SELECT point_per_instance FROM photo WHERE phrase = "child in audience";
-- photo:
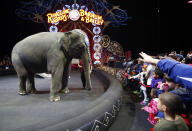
(149, 77)
(141, 77)
(157, 77)
(152, 107)
(163, 86)
(170, 104)
(180, 73)
(169, 85)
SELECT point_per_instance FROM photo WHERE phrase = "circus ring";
(80, 110)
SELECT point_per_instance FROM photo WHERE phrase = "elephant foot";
(54, 98)
(65, 90)
(88, 89)
(32, 91)
(22, 92)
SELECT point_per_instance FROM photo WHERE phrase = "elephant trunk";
(86, 62)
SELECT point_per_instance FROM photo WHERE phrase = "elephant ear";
(86, 39)
(69, 43)
(64, 43)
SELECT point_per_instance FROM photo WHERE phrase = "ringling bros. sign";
(85, 16)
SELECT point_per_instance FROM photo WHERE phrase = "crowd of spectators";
(5, 63)
(164, 82)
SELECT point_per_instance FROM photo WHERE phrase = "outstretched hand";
(148, 59)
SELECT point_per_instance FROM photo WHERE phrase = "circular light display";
(97, 38)
(68, 7)
(97, 47)
(96, 30)
(74, 15)
(53, 28)
(84, 8)
(75, 6)
(97, 55)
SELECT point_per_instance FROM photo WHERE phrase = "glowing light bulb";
(74, 15)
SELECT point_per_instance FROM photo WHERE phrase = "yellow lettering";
(87, 19)
(95, 16)
(90, 19)
(101, 22)
(63, 11)
(88, 14)
(56, 19)
(99, 17)
(82, 19)
(92, 15)
(54, 14)
(49, 18)
(97, 22)
(81, 12)
(59, 13)
(66, 11)
(64, 18)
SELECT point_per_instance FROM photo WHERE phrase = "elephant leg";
(56, 83)
(65, 78)
(21, 73)
(64, 88)
(22, 85)
(83, 80)
(85, 58)
(31, 84)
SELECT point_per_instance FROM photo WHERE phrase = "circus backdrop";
(91, 16)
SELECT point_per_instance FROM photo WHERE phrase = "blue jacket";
(180, 73)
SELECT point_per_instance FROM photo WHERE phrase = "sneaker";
(144, 103)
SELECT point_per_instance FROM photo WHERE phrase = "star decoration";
(38, 18)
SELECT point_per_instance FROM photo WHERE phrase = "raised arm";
(180, 73)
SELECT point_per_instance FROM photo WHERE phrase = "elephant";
(50, 52)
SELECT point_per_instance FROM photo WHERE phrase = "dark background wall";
(148, 30)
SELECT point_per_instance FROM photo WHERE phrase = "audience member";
(180, 73)
(157, 77)
(170, 104)
(142, 81)
(149, 77)
(152, 107)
